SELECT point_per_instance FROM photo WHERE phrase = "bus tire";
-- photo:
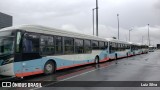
(49, 67)
(96, 60)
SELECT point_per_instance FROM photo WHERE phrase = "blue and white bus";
(151, 48)
(31, 49)
(144, 49)
(135, 48)
(118, 49)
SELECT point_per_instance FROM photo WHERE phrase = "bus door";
(31, 63)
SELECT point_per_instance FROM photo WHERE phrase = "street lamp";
(129, 34)
(148, 36)
(118, 24)
(93, 19)
(97, 17)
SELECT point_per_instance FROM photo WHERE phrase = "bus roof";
(138, 44)
(151, 46)
(52, 31)
(116, 41)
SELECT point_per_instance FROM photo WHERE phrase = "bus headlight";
(7, 61)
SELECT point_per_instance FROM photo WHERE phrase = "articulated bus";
(31, 49)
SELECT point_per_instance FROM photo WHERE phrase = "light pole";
(129, 34)
(97, 17)
(148, 36)
(118, 24)
(93, 19)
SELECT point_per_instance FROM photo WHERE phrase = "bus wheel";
(96, 60)
(49, 68)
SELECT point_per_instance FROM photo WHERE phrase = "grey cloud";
(157, 5)
(76, 15)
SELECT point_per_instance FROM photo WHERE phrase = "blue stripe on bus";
(30, 65)
(33, 65)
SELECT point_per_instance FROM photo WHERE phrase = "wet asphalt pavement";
(145, 67)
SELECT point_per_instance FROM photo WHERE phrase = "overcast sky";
(76, 15)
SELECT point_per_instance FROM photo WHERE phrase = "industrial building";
(5, 20)
(158, 46)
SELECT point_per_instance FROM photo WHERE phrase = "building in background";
(5, 20)
(158, 46)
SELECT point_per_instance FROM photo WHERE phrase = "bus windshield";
(6, 47)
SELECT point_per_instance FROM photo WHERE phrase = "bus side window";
(58, 45)
(68, 45)
(95, 45)
(30, 43)
(47, 45)
(79, 46)
(101, 45)
(106, 45)
(87, 46)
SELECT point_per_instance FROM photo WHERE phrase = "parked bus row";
(30, 49)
